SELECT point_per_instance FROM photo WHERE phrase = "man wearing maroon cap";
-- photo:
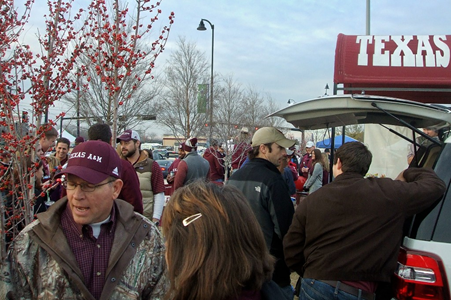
(151, 180)
(79, 140)
(89, 245)
(192, 167)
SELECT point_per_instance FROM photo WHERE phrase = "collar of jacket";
(129, 227)
(348, 175)
(192, 153)
(266, 163)
(142, 160)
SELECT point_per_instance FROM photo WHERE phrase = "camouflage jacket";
(41, 265)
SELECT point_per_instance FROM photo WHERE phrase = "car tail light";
(420, 276)
(163, 168)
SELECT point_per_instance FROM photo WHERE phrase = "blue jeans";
(312, 289)
(288, 291)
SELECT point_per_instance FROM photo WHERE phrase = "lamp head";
(201, 26)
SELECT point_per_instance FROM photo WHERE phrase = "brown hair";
(49, 131)
(354, 157)
(318, 158)
(255, 151)
(219, 254)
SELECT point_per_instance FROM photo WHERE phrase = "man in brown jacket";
(345, 237)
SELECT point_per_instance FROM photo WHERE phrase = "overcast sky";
(286, 48)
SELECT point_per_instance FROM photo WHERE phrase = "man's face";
(277, 154)
(61, 150)
(430, 132)
(181, 153)
(309, 149)
(128, 149)
(47, 143)
(92, 207)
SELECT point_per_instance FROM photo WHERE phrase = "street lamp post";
(201, 27)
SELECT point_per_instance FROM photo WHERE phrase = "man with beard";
(151, 180)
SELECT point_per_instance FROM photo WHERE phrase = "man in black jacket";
(345, 237)
(268, 196)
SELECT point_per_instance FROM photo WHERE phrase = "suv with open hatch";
(424, 261)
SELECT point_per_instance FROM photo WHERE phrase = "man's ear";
(117, 185)
(263, 149)
(339, 164)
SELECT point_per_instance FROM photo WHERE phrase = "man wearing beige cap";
(88, 245)
(268, 196)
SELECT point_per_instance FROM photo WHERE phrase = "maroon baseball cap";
(190, 144)
(79, 139)
(93, 161)
(128, 135)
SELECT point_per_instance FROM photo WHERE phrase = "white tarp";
(68, 136)
(389, 151)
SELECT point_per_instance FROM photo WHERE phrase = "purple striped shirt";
(92, 254)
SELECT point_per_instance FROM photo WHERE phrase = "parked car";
(164, 165)
(172, 155)
(161, 152)
(424, 261)
(158, 156)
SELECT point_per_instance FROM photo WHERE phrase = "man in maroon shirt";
(151, 180)
(214, 158)
(306, 162)
(241, 149)
(173, 168)
(130, 191)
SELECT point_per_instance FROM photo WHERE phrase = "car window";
(441, 233)
(434, 223)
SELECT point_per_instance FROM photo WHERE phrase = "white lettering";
(402, 46)
(95, 157)
(424, 45)
(77, 155)
(381, 59)
(442, 60)
(362, 59)
(403, 55)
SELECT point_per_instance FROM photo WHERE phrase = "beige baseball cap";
(266, 135)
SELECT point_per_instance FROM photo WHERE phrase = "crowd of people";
(226, 238)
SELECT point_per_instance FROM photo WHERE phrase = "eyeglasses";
(85, 187)
(191, 219)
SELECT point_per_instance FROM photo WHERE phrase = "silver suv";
(424, 261)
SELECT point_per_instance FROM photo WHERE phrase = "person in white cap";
(241, 149)
(268, 195)
(151, 180)
(306, 161)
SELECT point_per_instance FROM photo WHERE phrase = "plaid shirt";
(92, 254)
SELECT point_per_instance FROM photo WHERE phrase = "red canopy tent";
(409, 67)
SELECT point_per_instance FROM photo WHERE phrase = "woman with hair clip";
(215, 247)
(315, 176)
